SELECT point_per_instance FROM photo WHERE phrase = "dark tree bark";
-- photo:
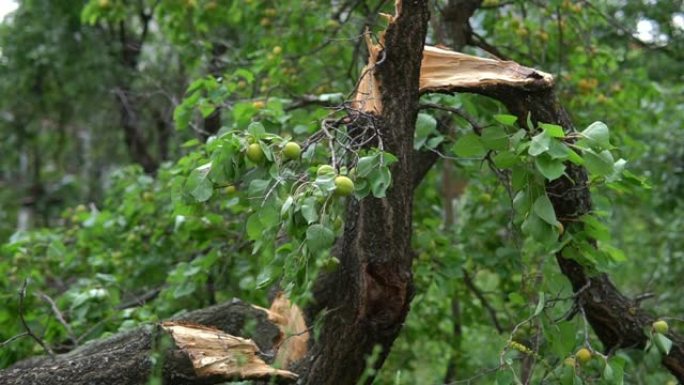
(212, 123)
(367, 299)
(129, 47)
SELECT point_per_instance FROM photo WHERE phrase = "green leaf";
(469, 146)
(507, 120)
(286, 205)
(365, 165)
(519, 176)
(537, 228)
(617, 365)
(598, 135)
(199, 186)
(186, 288)
(257, 188)
(540, 144)
(615, 254)
(319, 237)
(663, 343)
(256, 128)
(618, 169)
(245, 74)
(254, 227)
(309, 211)
(505, 159)
(425, 126)
(553, 130)
(558, 150)
(495, 138)
(608, 373)
(544, 209)
(206, 108)
(504, 377)
(574, 157)
(595, 229)
(600, 164)
(540, 304)
(561, 337)
(522, 202)
(380, 181)
(435, 141)
(268, 215)
(552, 169)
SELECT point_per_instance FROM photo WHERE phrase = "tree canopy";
(443, 192)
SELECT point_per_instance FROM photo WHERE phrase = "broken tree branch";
(200, 354)
(617, 320)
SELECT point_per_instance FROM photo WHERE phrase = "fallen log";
(182, 351)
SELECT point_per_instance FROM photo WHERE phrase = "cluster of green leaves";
(536, 156)
(516, 260)
(294, 214)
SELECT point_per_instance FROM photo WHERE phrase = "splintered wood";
(367, 97)
(294, 335)
(214, 353)
(292, 345)
(445, 70)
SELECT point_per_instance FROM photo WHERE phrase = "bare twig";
(12, 339)
(59, 316)
(457, 111)
(492, 312)
(22, 296)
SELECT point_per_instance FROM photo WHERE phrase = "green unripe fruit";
(230, 189)
(325, 169)
(344, 186)
(255, 153)
(569, 362)
(292, 150)
(661, 327)
(583, 355)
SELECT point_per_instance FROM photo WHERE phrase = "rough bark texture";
(367, 299)
(125, 359)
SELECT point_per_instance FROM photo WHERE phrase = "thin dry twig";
(22, 296)
(12, 339)
(59, 316)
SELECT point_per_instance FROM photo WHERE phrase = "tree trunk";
(366, 301)
(368, 298)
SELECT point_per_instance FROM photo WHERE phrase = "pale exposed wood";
(292, 344)
(367, 97)
(214, 353)
(446, 70)
(295, 335)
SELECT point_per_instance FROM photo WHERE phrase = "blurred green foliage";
(108, 245)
